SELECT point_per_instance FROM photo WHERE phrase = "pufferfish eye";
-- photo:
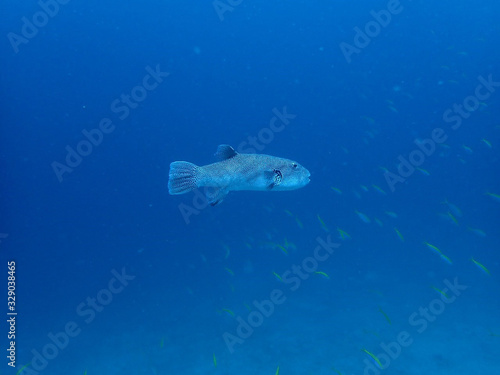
(294, 165)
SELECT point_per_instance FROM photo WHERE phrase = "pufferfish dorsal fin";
(225, 152)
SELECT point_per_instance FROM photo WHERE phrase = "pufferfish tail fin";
(182, 177)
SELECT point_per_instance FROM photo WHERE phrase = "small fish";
(440, 291)
(299, 223)
(495, 197)
(425, 172)
(399, 234)
(230, 312)
(379, 189)
(229, 271)
(343, 234)
(277, 371)
(228, 250)
(282, 248)
(215, 360)
(288, 213)
(278, 276)
(434, 248)
(324, 274)
(337, 190)
(477, 232)
(481, 267)
(486, 142)
(323, 225)
(391, 214)
(363, 217)
(374, 357)
(467, 149)
(236, 171)
(455, 221)
(26, 365)
(453, 209)
(379, 223)
(384, 314)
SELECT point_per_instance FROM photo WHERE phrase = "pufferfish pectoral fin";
(215, 195)
(275, 177)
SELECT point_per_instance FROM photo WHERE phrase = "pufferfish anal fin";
(225, 152)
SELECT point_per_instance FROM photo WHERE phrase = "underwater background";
(387, 262)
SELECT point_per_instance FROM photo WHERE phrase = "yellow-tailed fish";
(494, 196)
(299, 223)
(229, 271)
(323, 225)
(399, 234)
(282, 248)
(486, 142)
(391, 214)
(434, 248)
(277, 371)
(26, 365)
(364, 188)
(278, 276)
(453, 208)
(363, 217)
(288, 213)
(215, 360)
(343, 234)
(374, 357)
(477, 232)
(467, 149)
(440, 291)
(227, 251)
(385, 315)
(337, 371)
(425, 172)
(446, 259)
(248, 307)
(322, 274)
(481, 267)
(455, 221)
(230, 312)
(379, 189)
(371, 333)
(337, 190)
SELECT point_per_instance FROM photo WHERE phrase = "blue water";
(114, 275)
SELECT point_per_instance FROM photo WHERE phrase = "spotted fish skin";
(236, 171)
